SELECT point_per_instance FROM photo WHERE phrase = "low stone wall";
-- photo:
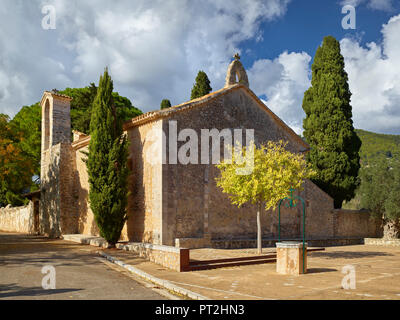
(356, 223)
(170, 257)
(17, 219)
(382, 242)
(194, 243)
(251, 243)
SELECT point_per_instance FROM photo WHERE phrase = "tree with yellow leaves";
(274, 171)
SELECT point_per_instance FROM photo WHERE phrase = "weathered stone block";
(289, 258)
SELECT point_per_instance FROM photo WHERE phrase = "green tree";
(328, 126)
(201, 87)
(274, 171)
(16, 169)
(26, 124)
(380, 193)
(22, 134)
(165, 103)
(81, 106)
(107, 164)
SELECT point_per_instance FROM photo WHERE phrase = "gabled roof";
(197, 103)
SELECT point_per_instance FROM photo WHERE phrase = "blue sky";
(306, 22)
(154, 50)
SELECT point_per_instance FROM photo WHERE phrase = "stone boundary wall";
(382, 242)
(356, 223)
(251, 243)
(342, 227)
(194, 243)
(170, 257)
(17, 219)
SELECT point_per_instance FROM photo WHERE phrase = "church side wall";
(86, 223)
(68, 204)
(194, 207)
(145, 184)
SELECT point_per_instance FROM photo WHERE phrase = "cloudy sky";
(154, 50)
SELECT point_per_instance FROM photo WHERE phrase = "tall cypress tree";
(107, 164)
(201, 87)
(328, 126)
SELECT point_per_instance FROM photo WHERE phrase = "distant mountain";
(376, 145)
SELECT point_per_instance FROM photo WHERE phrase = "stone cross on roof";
(236, 56)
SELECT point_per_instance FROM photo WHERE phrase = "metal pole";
(304, 230)
(279, 221)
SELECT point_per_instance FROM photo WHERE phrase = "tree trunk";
(391, 229)
(259, 241)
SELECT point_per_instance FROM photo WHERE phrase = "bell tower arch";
(236, 73)
(56, 166)
(56, 120)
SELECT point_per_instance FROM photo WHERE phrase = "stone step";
(196, 265)
(227, 264)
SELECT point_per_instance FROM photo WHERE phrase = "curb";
(84, 239)
(163, 283)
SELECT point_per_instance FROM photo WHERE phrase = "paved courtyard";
(377, 271)
(80, 272)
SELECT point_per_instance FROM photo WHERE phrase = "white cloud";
(374, 80)
(283, 81)
(382, 5)
(153, 49)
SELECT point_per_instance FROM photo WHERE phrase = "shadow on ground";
(348, 254)
(13, 290)
(320, 270)
(17, 250)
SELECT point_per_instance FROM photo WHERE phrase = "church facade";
(179, 204)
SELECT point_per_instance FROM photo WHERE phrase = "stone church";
(180, 204)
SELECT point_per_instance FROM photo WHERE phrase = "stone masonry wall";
(17, 219)
(84, 215)
(86, 223)
(145, 184)
(195, 208)
(58, 213)
(353, 223)
(50, 192)
(193, 203)
(57, 206)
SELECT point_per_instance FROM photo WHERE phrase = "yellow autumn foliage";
(275, 170)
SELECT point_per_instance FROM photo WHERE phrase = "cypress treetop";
(201, 87)
(165, 103)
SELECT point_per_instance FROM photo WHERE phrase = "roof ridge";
(159, 114)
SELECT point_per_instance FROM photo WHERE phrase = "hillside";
(375, 145)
